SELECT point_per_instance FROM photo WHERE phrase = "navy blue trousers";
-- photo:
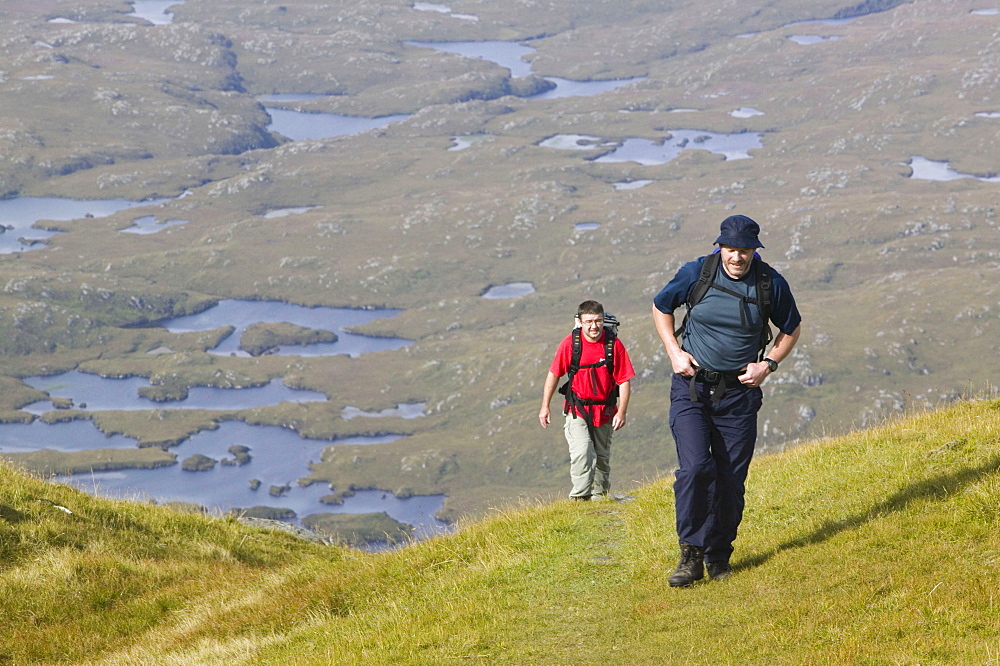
(715, 443)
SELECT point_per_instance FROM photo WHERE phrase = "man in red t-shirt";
(589, 426)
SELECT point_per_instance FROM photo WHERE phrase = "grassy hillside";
(879, 547)
(880, 263)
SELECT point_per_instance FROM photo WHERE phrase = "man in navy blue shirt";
(715, 391)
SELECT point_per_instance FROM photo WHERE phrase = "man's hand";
(544, 416)
(683, 363)
(755, 374)
(548, 390)
(618, 421)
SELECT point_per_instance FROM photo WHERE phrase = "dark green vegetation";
(47, 461)
(261, 338)
(895, 277)
(879, 547)
(353, 530)
(198, 463)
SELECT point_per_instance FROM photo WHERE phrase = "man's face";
(591, 325)
(736, 260)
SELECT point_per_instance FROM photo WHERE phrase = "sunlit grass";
(876, 548)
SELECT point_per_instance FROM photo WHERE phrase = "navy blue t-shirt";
(717, 334)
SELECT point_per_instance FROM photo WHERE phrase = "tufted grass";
(879, 547)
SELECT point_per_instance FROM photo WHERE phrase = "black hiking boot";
(690, 568)
(719, 570)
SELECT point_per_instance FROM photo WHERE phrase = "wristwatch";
(773, 365)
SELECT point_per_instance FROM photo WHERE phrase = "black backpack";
(706, 281)
(572, 399)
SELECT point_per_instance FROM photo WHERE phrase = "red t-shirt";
(594, 383)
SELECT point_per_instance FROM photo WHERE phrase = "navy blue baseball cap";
(739, 231)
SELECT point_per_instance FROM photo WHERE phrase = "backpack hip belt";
(716, 381)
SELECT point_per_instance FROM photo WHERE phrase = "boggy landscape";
(479, 185)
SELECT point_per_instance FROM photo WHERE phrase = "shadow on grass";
(937, 488)
(11, 515)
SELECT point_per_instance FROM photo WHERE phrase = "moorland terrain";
(894, 275)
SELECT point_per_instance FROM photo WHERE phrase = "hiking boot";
(719, 570)
(690, 568)
(581, 498)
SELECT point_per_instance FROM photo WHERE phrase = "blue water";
(18, 215)
(809, 40)
(79, 435)
(242, 313)
(285, 212)
(925, 169)
(511, 55)
(95, 393)
(279, 457)
(443, 9)
(647, 152)
(574, 142)
(511, 290)
(631, 184)
(298, 125)
(155, 11)
(506, 54)
(734, 146)
(568, 88)
(301, 125)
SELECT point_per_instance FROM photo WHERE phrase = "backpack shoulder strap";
(764, 298)
(609, 350)
(574, 363)
(698, 290)
(705, 278)
(764, 289)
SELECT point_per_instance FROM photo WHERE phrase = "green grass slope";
(879, 547)
(894, 275)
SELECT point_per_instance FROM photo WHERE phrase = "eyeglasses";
(592, 322)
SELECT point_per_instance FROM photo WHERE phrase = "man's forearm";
(783, 345)
(549, 389)
(624, 393)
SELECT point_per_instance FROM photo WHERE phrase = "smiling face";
(736, 260)
(591, 326)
